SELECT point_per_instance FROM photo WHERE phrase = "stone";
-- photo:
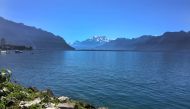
(63, 98)
(29, 103)
(65, 106)
(49, 105)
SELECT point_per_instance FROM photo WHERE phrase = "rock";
(65, 106)
(49, 106)
(63, 98)
(29, 103)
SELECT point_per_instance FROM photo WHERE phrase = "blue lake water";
(118, 80)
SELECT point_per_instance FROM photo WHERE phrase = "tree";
(3, 43)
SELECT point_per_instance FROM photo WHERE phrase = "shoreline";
(15, 96)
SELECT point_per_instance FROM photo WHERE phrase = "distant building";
(5, 46)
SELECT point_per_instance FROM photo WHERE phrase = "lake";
(114, 79)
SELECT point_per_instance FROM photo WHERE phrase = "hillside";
(20, 34)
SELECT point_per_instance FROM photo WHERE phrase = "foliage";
(2, 105)
(5, 75)
(17, 95)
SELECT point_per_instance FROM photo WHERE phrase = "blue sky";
(81, 19)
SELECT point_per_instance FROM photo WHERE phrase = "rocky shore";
(15, 96)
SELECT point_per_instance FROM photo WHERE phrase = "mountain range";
(169, 41)
(90, 43)
(20, 34)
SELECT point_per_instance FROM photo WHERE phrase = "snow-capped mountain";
(100, 39)
(91, 43)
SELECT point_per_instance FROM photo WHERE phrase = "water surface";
(118, 80)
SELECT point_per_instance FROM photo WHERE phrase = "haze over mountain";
(169, 41)
(20, 34)
(91, 43)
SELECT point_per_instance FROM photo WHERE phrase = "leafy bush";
(17, 95)
(5, 75)
(2, 105)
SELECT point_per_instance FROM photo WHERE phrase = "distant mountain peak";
(99, 39)
(91, 43)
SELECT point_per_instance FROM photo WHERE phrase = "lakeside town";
(5, 47)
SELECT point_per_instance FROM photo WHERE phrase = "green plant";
(5, 75)
(46, 99)
(17, 95)
(2, 105)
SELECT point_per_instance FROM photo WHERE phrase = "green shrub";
(32, 96)
(2, 105)
(5, 75)
(17, 95)
(9, 86)
(46, 99)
